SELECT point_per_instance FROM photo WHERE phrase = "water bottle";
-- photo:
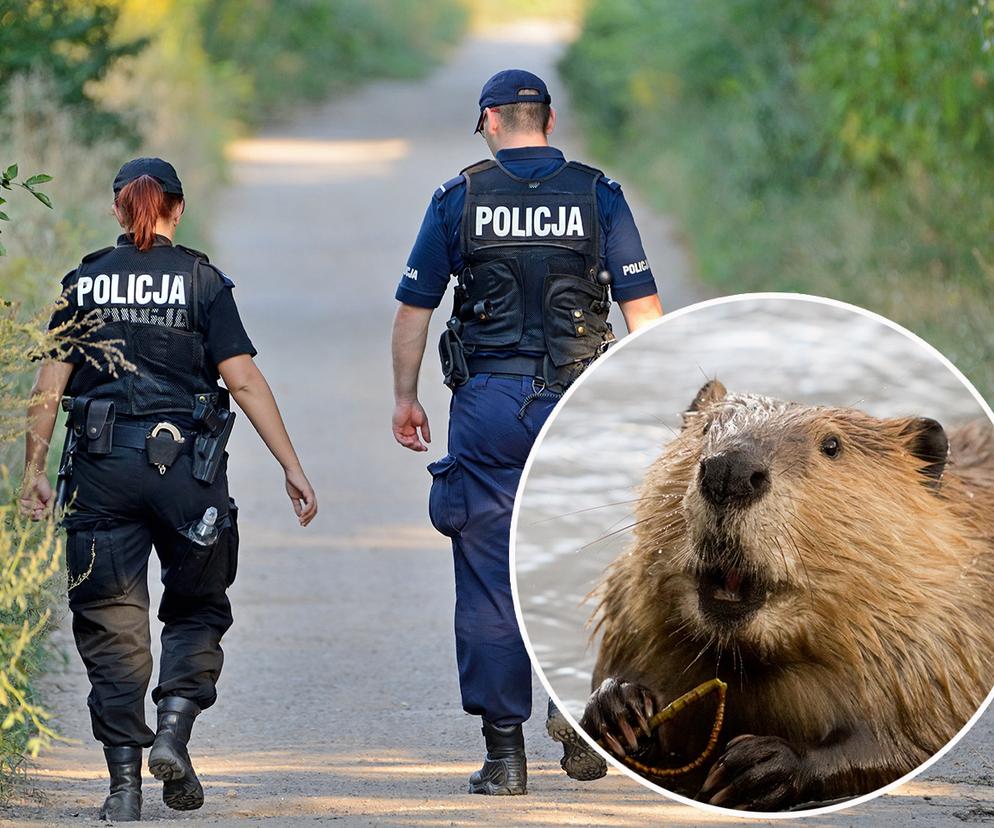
(204, 533)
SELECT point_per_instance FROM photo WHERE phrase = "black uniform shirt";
(224, 334)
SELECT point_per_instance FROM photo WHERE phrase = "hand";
(305, 503)
(408, 417)
(36, 496)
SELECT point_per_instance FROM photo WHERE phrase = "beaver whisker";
(612, 534)
(602, 506)
(711, 639)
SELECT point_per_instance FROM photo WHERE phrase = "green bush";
(295, 50)
(840, 148)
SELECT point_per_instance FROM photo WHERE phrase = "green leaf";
(3, 250)
(37, 179)
(4, 216)
(10, 172)
(44, 199)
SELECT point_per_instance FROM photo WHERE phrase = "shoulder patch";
(199, 254)
(446, 186)
(89, 257)
(610, 182)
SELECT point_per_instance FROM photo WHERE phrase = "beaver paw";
(756, 773)
(617, 715)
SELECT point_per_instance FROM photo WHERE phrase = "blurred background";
(839, 147)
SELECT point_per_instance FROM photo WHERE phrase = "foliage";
(840, 147)
(8, 180)
(30, 554)
(71, 40)
(288, 50)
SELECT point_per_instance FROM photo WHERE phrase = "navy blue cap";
(506, 87)
(161, 171)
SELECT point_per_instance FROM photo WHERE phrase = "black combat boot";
(169, 760)
(125, 801)
(579, 760)
(504, 771)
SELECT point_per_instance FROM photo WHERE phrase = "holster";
(66, 461)
(208, 448)
(94, 420)
(452, 353)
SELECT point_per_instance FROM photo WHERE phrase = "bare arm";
(638, 312)
(248, 386)
(410, 332)
(50, 383)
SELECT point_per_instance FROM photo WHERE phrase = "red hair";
(142, 203)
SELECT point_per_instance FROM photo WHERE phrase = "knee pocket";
(94, 570)
(205, 570)
(447, 499)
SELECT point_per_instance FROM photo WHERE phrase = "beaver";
(833, 568)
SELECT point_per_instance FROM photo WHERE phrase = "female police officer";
(146, 450)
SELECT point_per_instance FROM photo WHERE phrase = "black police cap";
(161, 171)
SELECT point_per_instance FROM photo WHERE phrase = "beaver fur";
(835, 569)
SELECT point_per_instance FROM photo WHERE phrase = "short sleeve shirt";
(436, 254)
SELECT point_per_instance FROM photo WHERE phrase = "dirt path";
(339, 699)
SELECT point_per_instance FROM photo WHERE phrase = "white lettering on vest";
(529, 221)
(483, 217)
(136, 289)
(143, 286)
(542, 227)
(101, 289)
(177, 294)
(83, 286)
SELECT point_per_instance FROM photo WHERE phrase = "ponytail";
(142, 203)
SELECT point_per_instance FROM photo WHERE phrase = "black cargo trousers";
(120, 507)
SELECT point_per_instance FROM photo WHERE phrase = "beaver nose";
(734, 478)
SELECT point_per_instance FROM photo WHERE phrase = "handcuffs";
(163, 445)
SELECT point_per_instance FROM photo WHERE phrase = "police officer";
(145, 465)
(535, 243)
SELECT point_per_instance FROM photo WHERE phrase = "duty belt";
(133, 436)
(527, 366)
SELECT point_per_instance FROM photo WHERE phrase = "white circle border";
(714, 809)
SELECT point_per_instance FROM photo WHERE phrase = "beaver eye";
(831, 447)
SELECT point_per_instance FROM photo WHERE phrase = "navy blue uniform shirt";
(436, 254)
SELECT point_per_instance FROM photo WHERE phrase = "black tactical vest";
(150, 302)
(532, 255)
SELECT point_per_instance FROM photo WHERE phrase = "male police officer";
(534, 241)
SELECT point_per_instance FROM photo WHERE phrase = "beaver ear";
(928, 442)
(710, 392)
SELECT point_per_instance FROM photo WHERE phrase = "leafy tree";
(73, 41)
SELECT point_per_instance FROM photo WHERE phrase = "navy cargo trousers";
(493, 422)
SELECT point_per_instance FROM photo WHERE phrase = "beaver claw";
(617, 715)
(756, 773)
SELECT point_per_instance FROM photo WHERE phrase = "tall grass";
(839, 148)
